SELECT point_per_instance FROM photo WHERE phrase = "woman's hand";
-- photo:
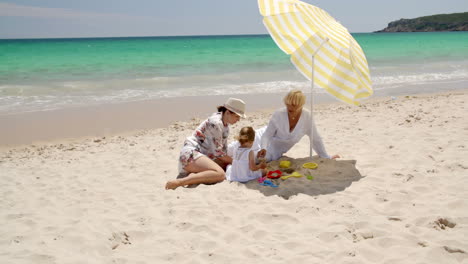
(336, 156)
(226, 159)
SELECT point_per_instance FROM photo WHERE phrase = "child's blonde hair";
(295, 97)
(246, 134)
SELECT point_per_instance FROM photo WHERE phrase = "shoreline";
(44, 127)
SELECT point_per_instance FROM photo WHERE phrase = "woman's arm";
(269, 132)
(214, 130)
(225, 159)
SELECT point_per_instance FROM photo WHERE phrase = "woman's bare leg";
(202, 170)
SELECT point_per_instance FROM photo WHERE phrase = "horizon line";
(160, 36)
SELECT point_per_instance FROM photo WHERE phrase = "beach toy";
(261, 179)
(310, 177)
(310, 165)
(285, 164)
(274, 174)
(269, 183)
(294, 174)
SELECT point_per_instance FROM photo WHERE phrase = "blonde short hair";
(295, 97)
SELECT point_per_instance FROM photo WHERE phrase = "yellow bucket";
(285, 164)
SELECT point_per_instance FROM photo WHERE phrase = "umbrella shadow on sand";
(329, 177)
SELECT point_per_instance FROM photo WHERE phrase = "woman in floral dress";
(207, 147)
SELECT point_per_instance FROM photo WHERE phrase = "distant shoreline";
(435, 23)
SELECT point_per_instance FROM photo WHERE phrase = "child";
(244, 167)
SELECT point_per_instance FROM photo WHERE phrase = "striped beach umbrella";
(320, 48)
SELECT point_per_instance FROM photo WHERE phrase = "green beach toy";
(294, 174)
(310, 177)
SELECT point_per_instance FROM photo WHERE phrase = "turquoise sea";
(43, 74)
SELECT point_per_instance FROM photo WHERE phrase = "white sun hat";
(236, 106)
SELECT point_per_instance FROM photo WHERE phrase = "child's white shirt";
(239, 170)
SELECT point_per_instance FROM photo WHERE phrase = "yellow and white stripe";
(299, 28)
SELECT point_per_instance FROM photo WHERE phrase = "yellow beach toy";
(310, 165)
(294, 174)
(285, 164)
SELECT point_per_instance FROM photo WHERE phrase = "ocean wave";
(421, 78)
(26, 98)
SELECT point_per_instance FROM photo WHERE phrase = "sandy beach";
(399, 194)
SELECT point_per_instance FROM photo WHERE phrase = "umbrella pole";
(311, 107)
(312, 97)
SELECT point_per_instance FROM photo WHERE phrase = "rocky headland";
(442, 22)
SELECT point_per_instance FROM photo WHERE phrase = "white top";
(240, 169)
(277, 139)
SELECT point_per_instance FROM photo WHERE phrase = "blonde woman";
(206, 148)
(287, 126)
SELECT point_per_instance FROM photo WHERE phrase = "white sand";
(102, 200)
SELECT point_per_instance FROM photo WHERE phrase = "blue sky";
(115, 18)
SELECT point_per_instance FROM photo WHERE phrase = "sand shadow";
(331, 176)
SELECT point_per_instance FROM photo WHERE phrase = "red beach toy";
(274, 174)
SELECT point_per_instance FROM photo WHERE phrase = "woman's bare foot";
(172, 185)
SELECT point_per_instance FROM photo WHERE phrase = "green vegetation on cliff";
(443, 22)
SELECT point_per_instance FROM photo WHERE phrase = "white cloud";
(13, 10)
